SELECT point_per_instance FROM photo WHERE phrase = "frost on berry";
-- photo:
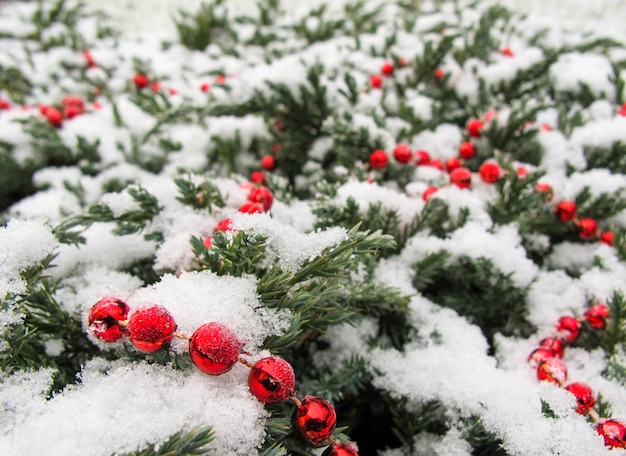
(584, 397)
(214, 348)
(151, 328)
(271, 380)
(614, 433)
(105, 317)
(552, 370)
(597, 315)
(340, 449)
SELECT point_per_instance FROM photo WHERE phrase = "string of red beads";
(547, 360)
(214, 349)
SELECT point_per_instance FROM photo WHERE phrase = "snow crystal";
(23, 244)
(573, 69)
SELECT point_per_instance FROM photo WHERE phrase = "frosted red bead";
(151, 328)
(422, 157)
(315, 420)
(376, 81)
(226, 224)
(387, 69)
(490, 172)
(584, 397)
(467, 150)
(429, 192)
(461, 177)
(568, 328)
(587, 229)
(263, 195)
(538, 355)
(614, 433)
(340, 449)
(554, 344)
(474, 128)
(596, 316)
(402, 153)
(105, 317)
(214, 348)
(378, 159)
(140, 80)
(250, 207)
(268, 163)
(552, 370)
(608, 238)
(565, 211)
(452, 164)
(271, 380)
(54, 117)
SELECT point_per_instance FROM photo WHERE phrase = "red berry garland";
(340, 449)
(314, 420)
(402, 153)
(587, 228)
(422, 157)
(565, 211)
(214, 348)
(461, 177)
(467, 150)
(271, 380)
(105, 319)
(597, 315)
(378, 159)
(387, 69)
(490, 172)
(151, 328)
(474, 127)
(584, 397)
(614, 433)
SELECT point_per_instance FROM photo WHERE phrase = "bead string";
(214, 350)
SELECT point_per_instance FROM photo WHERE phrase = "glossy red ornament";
(568, 328)
(436, 163)
(268, 163)
(565, 211)
(608, 238)
(402, 153)
(205, 87)
(214, 348)
(226, 224)
(554, 344)
(429, 192)
(490, 172)
(614, 433)
(584, 397)
(422, 157)
(387, 69)
(257, 177)
(474, 127)
(105, 317)
(140, 80)
(150, 328)
(340, 449)
(54, 117)
(467, 150)
(461, 177)
(315, 420)
(378, 159)
(597, 315)
(552, 370)
(539, 355)
(272, 380)
(587, 229)
(376, 82)
(452, 164)
(250, 207)
(262, 195)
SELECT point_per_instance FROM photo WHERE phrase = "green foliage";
(475, 288)
(202, 196)
(483, 443)
(410, 419)
(184, 443)
(612, 158)
(15, 83)
(324, 27)
(242, 254)
(208, 25)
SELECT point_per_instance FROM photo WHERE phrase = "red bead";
(565, 211)
(315, 419)
(522, 172)
(54, 117)
(151, 328)
(584, 397)
(105, 317)
(207, 242)
(461, 177)
(474, 127)
(140, 80)
(262, 195)
(340, 449)
(378, 159)
(4, 105)
(506, 51)
(436, 163)
(597, 315)
(467, 150)
(376, 81)
(155, 87)
(268, 163)
(258, 177)
(214, 348)
(226, 224)
(552, 370)
(205, 87)
(568, 328)
(250, 207)
(554, 344)
(423, 157)
(91, 63)
(220, 79)
(452, 164)
(490, 172)
(546, 189)
(439, 73)
(587, 229)
(539, 355)
(614, 433)
(276, 147)
(72, 106)
(429, 192)
(387, 69)
(272, 380)
(402, 153)
(608, 238)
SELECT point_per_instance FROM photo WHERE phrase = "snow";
(124, 405)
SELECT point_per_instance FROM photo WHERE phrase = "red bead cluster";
(71, 106)
(547, 359)
(215, 349)
(566, 211)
